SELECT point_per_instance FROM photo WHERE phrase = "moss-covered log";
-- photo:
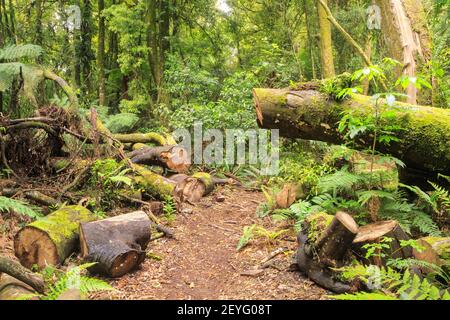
(309, 114)
(50, 240)
(171, 157)
(117, 244)
(150, 137)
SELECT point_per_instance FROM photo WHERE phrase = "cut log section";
(117, 244)
(424, 145)
(175, 158)
(50, 240)
(336, 240)
(193, 188)
(373, 233)
(316, 257)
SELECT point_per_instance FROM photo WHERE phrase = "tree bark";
(13, 289)
(18, 272)
(308, 114)
(335, 241)
(171, 157)
(50, 240)
(326, 45)
(101, 54)
(407, 38)
(117, 244)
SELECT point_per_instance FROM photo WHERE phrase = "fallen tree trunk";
(171, 157)
(117, 244)
(18, 272)
(150, 137)
(308, 114)
(50, 240)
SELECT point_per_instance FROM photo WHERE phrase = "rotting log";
(171, 157)
(33, 195)
(324, 243)
(117, 244)
(315, 271)
(152, 183)
(193, 188)
(17, 271)
(336, 240)
(424, 143)
(374, 233)
(50, 240)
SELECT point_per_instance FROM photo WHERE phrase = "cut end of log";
(375, 231)
(347, 221)
(124, 263)
(34, 247)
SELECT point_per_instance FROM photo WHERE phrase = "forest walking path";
(202, 262)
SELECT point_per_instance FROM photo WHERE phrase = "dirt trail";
(202, 262)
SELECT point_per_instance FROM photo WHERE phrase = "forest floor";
(202, 262)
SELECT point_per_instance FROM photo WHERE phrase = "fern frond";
(16, 52)
(338, 181)
(88, 285)
(20, 207)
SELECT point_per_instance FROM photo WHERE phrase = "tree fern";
(20, 207)
(17, 52)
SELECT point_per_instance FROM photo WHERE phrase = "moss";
(153, 183)
(317, 223)
(62, 226)
(142, 138)
(207, 180)
(441, 245)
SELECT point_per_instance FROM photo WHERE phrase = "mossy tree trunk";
(326, 45)
(424, 141)
(50, 240)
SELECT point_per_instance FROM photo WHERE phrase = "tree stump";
(50, 240)
(117, 244)
(373, 233)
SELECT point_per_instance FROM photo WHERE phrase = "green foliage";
(121, 122)
(390, 282)
(20, 207)
(247, 235)
(17, 52)
(73, 279)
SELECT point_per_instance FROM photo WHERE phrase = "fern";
(339, 181)
(72, 279)
(16, 52)
(20, 207)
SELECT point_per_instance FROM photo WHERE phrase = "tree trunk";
(406, 35)
(308, 114)
(335, 241)
(172, 157)
(101, 54)
(373, 233)
(50, 240)
(326, 45)
(117, 244)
